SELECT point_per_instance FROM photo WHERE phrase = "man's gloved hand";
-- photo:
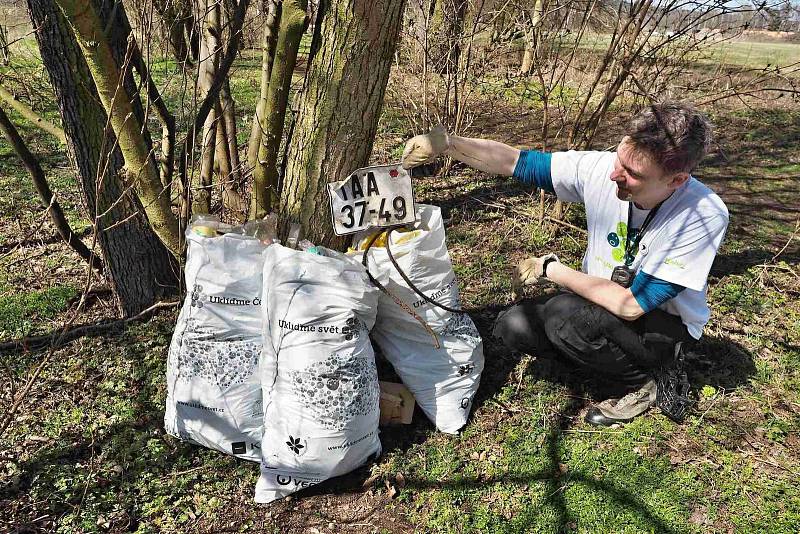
(528, 272)
(425, 148)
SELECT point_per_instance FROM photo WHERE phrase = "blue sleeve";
(650, 292)
(533, 168)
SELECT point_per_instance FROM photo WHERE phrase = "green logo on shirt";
(674, 262)
(617, 242)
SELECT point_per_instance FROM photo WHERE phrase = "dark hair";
(674, 134)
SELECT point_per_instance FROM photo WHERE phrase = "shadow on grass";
(719, 362)
(78, 467)
(715, 361)
(555, 480)
(740, 262)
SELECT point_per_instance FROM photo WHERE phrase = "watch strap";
(550, 258)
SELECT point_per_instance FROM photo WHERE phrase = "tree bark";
(265, 175)
(207, 105)
(140, 267)
(231, 200)
(267, 57)
(228, 105)
(5, 53)
(108, 80)
(43, 188)
(166, 162)
(209, 17)
(228, 111)
(339, 107)
(418, 15)
(531, 37)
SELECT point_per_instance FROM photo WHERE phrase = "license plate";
(372, 197)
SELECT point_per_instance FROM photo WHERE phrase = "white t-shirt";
(678, 246)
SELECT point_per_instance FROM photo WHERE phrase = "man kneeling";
(653, 233)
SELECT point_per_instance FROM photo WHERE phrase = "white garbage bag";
(318, 372)
(213, 387)
(444, 379)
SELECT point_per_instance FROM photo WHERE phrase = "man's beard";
(624, 194)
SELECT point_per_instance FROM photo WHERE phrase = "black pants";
(566, 326)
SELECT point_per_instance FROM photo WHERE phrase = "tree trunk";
(531, 37)
(267, 56)
(209, 17)
(228, 107)
(231, 200)
(446, 29)
(141, 269)
(418, 15)
(202, 181)
(229, 120)
(43, 188)
(265, 175)
(5, 53)
(174, 17)
(207, 105)
(108, 79)
(339, 108)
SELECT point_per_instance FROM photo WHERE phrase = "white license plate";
(372, 197)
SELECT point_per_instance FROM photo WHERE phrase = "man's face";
(641, 180)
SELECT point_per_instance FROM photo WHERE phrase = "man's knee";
(573, 314)
(594, 338)
(518, 329)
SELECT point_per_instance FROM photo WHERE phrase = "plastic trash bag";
(443, 379)
(319, 380)
(213, 388)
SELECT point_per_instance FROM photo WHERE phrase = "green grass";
(731, 52)
(23, 312)
(754, 54)
(527, 475)
(109, 462)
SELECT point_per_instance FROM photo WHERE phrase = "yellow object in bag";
(399, 236)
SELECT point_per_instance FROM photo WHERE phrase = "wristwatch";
(550, 258)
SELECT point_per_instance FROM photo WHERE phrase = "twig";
(566, 224)
(531, 215)
(577, 431)
(55, 340)
(32, 256)
(505, 406)
(791, 237)
(773, 464)
(49, 240)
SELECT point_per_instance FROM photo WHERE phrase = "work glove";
(424, 148)
(528, 272)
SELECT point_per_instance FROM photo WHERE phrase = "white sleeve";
(684, 251)
(571, 171)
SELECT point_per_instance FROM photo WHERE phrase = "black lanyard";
(628, 260)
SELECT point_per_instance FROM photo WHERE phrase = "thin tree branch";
(60, 338)
(26, 111)
(46, 195)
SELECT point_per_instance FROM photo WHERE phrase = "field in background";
(733, 52)
(755, 54)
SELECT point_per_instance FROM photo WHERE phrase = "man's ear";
(678, 179)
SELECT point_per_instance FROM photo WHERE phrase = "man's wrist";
(451, 149)
(550, 258)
